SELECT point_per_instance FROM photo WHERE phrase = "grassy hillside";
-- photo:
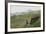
(19, 21)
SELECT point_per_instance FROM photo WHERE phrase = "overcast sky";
(18, 9)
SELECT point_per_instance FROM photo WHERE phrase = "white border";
(24, 29)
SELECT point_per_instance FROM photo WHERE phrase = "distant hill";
(28, 12)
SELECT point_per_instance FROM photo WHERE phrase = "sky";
(19, 9)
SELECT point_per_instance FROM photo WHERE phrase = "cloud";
(19, 9)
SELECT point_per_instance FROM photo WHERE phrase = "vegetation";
(19, 21)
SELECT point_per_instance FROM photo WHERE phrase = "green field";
(19, 21)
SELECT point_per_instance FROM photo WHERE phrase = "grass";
(19, 21)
